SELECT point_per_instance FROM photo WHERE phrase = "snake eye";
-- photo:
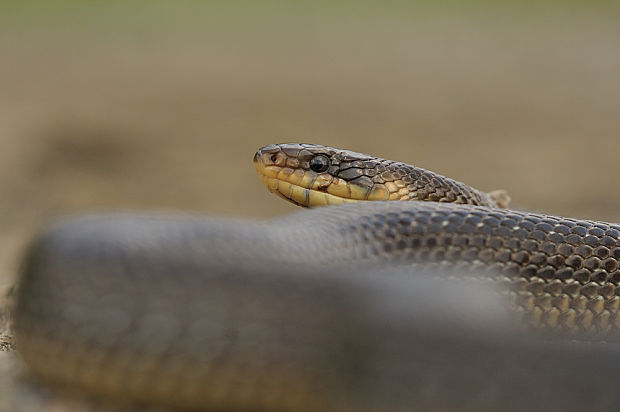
(319, 163)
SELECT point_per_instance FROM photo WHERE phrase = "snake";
(396, 288)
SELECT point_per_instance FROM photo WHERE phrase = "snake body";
(368, 306)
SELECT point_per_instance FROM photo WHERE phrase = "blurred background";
(161, 105)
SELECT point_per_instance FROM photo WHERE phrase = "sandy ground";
(162, 107)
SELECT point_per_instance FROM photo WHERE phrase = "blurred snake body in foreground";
(445, 301)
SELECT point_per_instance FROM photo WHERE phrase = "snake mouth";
(302, 196)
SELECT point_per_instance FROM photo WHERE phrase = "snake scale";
(424, 293)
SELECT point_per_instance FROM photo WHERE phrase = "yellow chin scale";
(301, 195)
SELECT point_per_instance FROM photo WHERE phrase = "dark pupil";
(319, 163)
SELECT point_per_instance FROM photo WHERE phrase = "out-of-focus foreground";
(161, 105)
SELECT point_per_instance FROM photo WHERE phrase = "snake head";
(313, 175)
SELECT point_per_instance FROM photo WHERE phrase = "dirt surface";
(161, 106)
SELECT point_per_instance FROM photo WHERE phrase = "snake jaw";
(302, 196)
